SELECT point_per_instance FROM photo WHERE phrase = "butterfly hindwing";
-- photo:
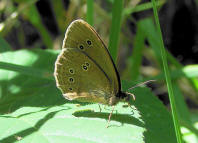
(80, 78)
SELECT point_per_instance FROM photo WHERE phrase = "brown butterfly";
(85, 71)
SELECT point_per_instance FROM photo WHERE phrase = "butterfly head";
(121, 96)
(126, 96)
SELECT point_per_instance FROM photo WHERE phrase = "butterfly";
(85, 71)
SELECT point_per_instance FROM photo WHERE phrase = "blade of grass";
(136, 57)
(4, 45)
(187, 71)
(59, 12)
(153, 39)
(141, 7)
(34, 17)
(115, 28)
(89, 18)
(168, 79)
(181, 104)
(7, 25)
(184, 114)
(101, 12)
(26, 70)
(193, 80)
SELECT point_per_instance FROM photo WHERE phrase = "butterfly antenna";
(137, 85)
(132, 95)
(110, 116)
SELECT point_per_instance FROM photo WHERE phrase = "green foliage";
(32, 109)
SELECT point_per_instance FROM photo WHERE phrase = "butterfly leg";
(105, 107)
(99, 107)
(110, 116)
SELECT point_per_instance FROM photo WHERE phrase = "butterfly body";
(84, 70)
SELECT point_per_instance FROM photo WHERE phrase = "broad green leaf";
(33, 110)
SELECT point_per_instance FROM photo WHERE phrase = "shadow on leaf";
(22, 134)
(122, 118)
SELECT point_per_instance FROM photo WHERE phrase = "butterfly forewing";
(82, 36)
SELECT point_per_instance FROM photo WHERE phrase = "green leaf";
(33, 110)
(167, 75)
(16, 87)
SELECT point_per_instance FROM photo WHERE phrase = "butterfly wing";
(79, 78)
(81, 40)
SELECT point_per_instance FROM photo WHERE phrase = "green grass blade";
(90, 12)
(115, 28)
(193, 74)
(4, 45)
(187, 71)
(33, 72)
(168, 79)
(12, 20)
(59, 13)
(184, 113)
(141, 7)
(34, 17)
(136, 57)
(153, 39)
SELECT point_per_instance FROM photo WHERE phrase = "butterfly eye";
(84, 67)
(88, 42)
(87, 64)
(70, 89)
(71, 79)
(81, 47)
(71, 71)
